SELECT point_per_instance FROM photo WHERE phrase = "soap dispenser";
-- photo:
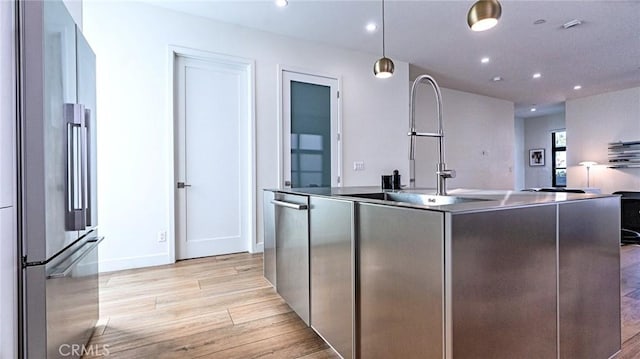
(396, 180)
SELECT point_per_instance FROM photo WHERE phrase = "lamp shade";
(383, 68)
(484, 14)
(588, 163)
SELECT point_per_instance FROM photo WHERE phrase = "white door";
(213, 142)
(310, 130)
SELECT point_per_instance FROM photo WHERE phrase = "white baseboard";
(110, 265)
(258, 248)
(116, 264)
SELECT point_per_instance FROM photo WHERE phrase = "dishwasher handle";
(289, 204)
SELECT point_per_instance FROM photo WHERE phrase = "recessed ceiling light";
(533, 109)
(577, 87)
(572, 23)
(539, 22)
(484, 60)
(371, 27)
(537, 75)
(282, 3)
(496, 79)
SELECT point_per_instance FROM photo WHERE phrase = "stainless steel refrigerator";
(57, 191)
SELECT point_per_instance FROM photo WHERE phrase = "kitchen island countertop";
(486, 199)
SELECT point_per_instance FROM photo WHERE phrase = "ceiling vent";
(572, 23)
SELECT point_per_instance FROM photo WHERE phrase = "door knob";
(182, 185)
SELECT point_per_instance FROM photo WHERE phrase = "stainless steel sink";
(416, 198)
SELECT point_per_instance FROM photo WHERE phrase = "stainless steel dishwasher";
(292, 251)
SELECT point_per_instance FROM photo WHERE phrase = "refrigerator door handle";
(89, 244)
(87, 169)
(76, 160)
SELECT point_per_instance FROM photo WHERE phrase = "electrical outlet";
(358, 165)
(162, 236)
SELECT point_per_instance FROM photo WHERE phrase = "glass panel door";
(310, 131)
(310, 135)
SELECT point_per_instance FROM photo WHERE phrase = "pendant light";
(484, 14)
(383, 68)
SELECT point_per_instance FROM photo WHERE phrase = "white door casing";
(213, 109)
(286, 76)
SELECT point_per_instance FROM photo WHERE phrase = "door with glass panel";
(311, 136)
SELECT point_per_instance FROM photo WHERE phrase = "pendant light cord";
(383, 55)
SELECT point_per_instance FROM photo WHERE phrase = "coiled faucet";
(442, 173)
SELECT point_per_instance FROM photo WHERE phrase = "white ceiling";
(601, 55)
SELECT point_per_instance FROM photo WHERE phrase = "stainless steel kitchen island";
(476, 274)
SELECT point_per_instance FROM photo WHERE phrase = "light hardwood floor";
(222, 307)
(217, 307)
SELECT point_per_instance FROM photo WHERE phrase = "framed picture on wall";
(536, 157)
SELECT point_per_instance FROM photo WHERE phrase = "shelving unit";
(624, 154)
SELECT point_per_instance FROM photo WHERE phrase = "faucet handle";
(447, 173)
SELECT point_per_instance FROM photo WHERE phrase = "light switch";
(358, 165)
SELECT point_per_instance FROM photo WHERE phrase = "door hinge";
(338, 179)
(339, 137)
(338, 94)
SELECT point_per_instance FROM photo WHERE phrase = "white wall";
(593, 122)
(8, 241)
(537, 134)
(7, 98)
(131, 43)
(479, 139)
(75, 9)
